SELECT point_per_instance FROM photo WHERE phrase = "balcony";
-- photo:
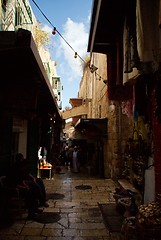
(16, 15)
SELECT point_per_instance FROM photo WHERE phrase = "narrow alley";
(74, 200)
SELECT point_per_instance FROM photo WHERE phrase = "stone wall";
(94, 92)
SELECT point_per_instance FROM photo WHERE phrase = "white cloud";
(47, 29)
(89, 17)
(76, 38)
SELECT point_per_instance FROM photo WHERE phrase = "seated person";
(31, 188)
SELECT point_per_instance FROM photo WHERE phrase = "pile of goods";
(149, 214)
(123, 193)
(125, 201)
(128, 226)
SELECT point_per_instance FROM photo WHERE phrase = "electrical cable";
(55, 30)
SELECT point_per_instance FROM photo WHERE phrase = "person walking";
(75, 161)
(66, 160)
(70, 156)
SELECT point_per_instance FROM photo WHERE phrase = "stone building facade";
(93, 93)
(129, 35)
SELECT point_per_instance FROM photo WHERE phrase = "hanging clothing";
(160, 13)
(127, 108)
(131, 58)
(158, 97)
(148, 31)
(141, 100)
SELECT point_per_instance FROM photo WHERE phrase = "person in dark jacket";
(30, 188)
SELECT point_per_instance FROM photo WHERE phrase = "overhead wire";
(55, 29)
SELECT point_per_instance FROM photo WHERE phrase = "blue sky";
(72, 19)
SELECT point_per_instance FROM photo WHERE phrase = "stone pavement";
(80, 216)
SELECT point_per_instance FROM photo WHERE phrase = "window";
(4, 3)
(55, 82)
(18, 18)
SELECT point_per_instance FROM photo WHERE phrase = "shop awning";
(24, 82)
(106, 22)
(92, 127)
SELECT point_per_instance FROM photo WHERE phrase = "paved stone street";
(80, 216)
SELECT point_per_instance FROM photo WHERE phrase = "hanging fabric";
(131, 58)
(147, 15)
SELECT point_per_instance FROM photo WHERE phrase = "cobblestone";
(80, 216)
